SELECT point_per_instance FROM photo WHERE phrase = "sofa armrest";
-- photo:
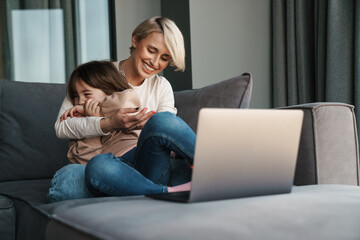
(328, 151)
(7, 219)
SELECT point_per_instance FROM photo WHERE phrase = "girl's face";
(85, 92)
(150, 55)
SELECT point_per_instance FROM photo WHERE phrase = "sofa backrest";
(231, 93)
(29, 148)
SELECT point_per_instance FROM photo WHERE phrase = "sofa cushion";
(309, 212)
(33, 212)
(29, 148)
(232, 93)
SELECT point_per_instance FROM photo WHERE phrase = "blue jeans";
(146, 169)
(69, 183)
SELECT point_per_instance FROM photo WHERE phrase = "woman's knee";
(101, 168)
(162, 117)
(99, 164)
(166, 122)
(106, 174)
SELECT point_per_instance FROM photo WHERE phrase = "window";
(93, 34)
(38, 45)
(44, 41)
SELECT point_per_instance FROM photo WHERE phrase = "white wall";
(230, 37)
(129, 13)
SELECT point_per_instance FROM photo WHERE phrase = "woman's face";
(150, 55)
(85, 92)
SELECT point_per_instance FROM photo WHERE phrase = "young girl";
(98, 90)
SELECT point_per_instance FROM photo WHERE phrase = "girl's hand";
(92, 108)
(76, 111)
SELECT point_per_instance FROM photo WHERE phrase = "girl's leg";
(69, 183)
(107, 174)
(164, 132)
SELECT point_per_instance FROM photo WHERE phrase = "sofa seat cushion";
(32, 191)
(309, 212)
(33, 212)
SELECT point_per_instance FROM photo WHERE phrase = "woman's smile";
(147, 67)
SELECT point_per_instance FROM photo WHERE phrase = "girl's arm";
(76, 128)
(75, 111)
(90, 109)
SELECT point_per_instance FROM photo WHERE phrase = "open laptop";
(242, 153)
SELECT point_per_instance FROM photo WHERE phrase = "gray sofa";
(327, 206)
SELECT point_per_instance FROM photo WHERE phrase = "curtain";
(316, 47)
(6, 44)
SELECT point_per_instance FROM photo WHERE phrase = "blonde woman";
(156, 43)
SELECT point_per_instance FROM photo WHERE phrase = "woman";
(156, 43)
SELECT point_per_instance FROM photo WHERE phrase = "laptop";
(242, 153)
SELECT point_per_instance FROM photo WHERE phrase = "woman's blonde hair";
(173, 38)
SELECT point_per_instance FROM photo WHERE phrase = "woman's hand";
(141, 120)
(126, 120)
(76, 111)
(92, 108)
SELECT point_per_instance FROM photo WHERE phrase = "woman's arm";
(166, 98)
(88, 127)
(122, 120)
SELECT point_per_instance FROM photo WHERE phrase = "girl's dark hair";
(97, 74)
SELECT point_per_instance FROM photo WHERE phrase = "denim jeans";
(69, 183)
(148, 168)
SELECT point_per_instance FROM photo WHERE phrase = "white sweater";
(155, 93)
